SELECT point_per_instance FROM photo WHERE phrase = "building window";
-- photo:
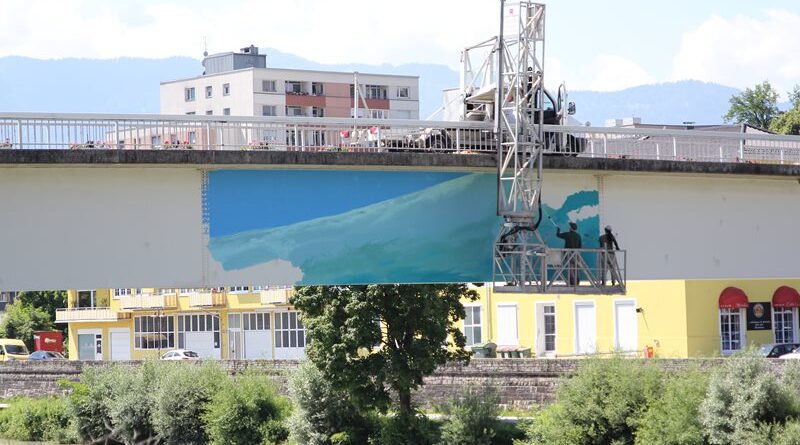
(375, 92)
(731, 332)
(317, 89)
(268, 110)
(209, 112)
(402, 92)
(226, 111)
(472, 325)
(549, 328)
(190, 113)
(317, 112)
(239, 289)
(121, 292)
(294, 87)
(379, 114)
(255, 321)
(294, 111)
(226, 89)
(198, 323)
(166, 291)
(154, 332)
(784, 324)
(85, 298)
(268, 86)
(289, 330)
(189, 94)
(208, 92)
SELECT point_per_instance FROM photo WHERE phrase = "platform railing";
(563, 271)
(185, 132)
(70, 315)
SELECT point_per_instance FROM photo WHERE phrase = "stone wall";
(518, 382)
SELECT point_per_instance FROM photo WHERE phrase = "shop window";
(731, 330)
(289, 330)
(154, 332)
(784, 325)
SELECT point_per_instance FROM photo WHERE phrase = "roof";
(399, 76)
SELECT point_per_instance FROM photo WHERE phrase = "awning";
(733, 298)
(785, 296)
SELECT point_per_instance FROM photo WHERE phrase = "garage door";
(120, 344)
(257, 335)
(202, 343)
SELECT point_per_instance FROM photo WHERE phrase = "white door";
(202, 343)
(545, 329)
(585, 328)
(625, 329)
(507, 326)
(257, 345)
(120, 340)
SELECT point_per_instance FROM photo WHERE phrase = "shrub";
(246, 411)
(472, 418)
(403, 430)
(45, 419)
(130, 402)
(789, 434)
(601, 404)
(742, 395)
(673, 418)
(323, 415)
(180, 399)
(87, 405)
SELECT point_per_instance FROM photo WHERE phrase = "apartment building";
(241, 84)
(244, 322)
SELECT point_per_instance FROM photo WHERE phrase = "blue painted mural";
(357, 227)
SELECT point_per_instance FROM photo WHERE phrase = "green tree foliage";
(787, 123)
(323, 415)
(603, 403)
(742, 400)
(368, 340)
(673, 418)
(22, 320)
(756, 106)
(48, 301)
(43, 419)
(472, 418)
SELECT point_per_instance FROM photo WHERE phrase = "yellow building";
(677, 318)
(229, 323)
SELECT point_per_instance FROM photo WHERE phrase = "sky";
(590, 44)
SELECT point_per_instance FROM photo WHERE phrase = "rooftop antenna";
(205, 46)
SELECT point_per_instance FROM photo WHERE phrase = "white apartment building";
(240, 84)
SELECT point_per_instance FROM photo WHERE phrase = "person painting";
(608, 259)
(572, 240)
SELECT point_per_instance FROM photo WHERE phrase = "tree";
(21, 321)
(49, 300)
(756, 107)
(794, 97)
(368, 339)
(789, 122)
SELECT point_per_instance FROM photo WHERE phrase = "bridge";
(198, 201)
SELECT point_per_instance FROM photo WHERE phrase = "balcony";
(147, 302)
(207, 299)
(277, 296)
(86, 314)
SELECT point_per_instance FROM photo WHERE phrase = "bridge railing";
(190, 132)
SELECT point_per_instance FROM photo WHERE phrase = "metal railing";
(160, 132)
(69, 315)
(565, 271)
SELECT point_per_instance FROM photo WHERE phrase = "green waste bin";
(506, 351)
(522, 353)
(484, 350)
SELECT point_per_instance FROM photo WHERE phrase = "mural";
(360, 227)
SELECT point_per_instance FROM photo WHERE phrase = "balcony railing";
(147, 132)
(207, 299)
(563, 271)
(148, 302)
(78, 314)
(277, 296)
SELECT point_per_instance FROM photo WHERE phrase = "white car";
(180, 354)
(792, 355)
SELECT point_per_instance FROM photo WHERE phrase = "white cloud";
(602, 73)
(743, 51)
(365, 31)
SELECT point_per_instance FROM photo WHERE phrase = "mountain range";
(131, 85)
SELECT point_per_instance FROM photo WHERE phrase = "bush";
(403, 430)
(743, 396)
(601, 404)
(45, 419)
(246, 411)
(180, 399)
(322, 415)
(131, 402)
(789, 434)
(88, 405)
(673, 419)
(472, 418)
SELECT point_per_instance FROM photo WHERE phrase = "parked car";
(180, 354)
(773, 350)
(12, 349)
(46, 355)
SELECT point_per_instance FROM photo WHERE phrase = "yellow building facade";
(675, 318)
(224, 323)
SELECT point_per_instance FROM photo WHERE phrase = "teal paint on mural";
(442, 233)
